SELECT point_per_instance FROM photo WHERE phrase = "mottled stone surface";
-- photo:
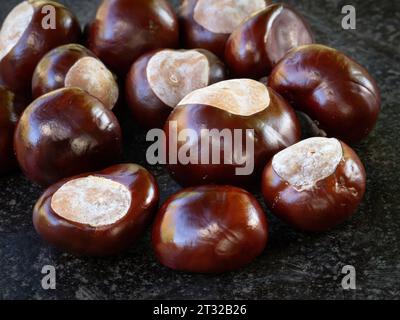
(295, 265)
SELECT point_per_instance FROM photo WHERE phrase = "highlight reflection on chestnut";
(315, 184)
(207, 24)
(160, 79)
(209, 229)
(73, 65)
(8, 119)
(24, 41)
(98, 214)
(332, 89)
(64, 133)
(255, 47)
(235, 127)
(125, 29)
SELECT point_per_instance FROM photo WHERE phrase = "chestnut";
(332, 89)
(207, 24)
(125, 29)
(64, 133)
(97, 214)
(226, 132)
(25, 39)
(255, 47)
(315, 184)
(73, 65)
(209, 229)
(158, 80)
(8, 119)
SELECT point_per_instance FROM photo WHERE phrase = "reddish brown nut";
(158, 80)
(8, 119)
(126, 29)
(315, 184)
(64, 133)
(207, 24)
(255, 47)
(209, 229)
(98, 214)
(332, 89)
(237, 125)
(73, 65)
(27, 35)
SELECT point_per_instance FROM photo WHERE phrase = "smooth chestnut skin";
(332, 89)
(195, 35)
(64, 133)
(147, 109)
(52, 69)
(125, 29)
(330, 202)
(8, 119)
(279, 118)
(82, 239)
(17, 67)
(209, 229)
(248, 53)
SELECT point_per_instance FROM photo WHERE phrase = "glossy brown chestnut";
(243, 107)
(255, 47)
(209, 229)
(8, 119)
(315, 184)
(332, 89)
(73, 65)
(24, 41)
(64, 133)
(125, 29)
(160, 79)
(207, 24)
(98, 214)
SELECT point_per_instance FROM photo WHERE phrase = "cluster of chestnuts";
(246, 65)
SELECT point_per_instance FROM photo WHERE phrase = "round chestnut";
(332, 89)
(8, 119)
(27, 34)
(98, 214)
(209, 229)
(158, 80)
(226, 132)
(64, 133)
(315, 184)
(255, 47)
(73, 65)
(207, 24)
(125, 29)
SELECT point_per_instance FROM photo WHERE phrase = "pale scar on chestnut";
(225, 15)
(309, 161)
(93, 201)
(243, 97)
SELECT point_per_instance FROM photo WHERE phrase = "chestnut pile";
(216, 65)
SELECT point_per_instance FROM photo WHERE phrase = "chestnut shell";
(66, 132)
(8, 119)
(332, 89)
(330, 202)
(85, 240)
(279, 116)
(209, 229)
(125, 29)
(17, 67)
(147, 109)
(248, 53)
(52, 69)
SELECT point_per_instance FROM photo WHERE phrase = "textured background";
(295, 265)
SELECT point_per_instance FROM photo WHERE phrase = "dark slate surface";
(295, 265)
